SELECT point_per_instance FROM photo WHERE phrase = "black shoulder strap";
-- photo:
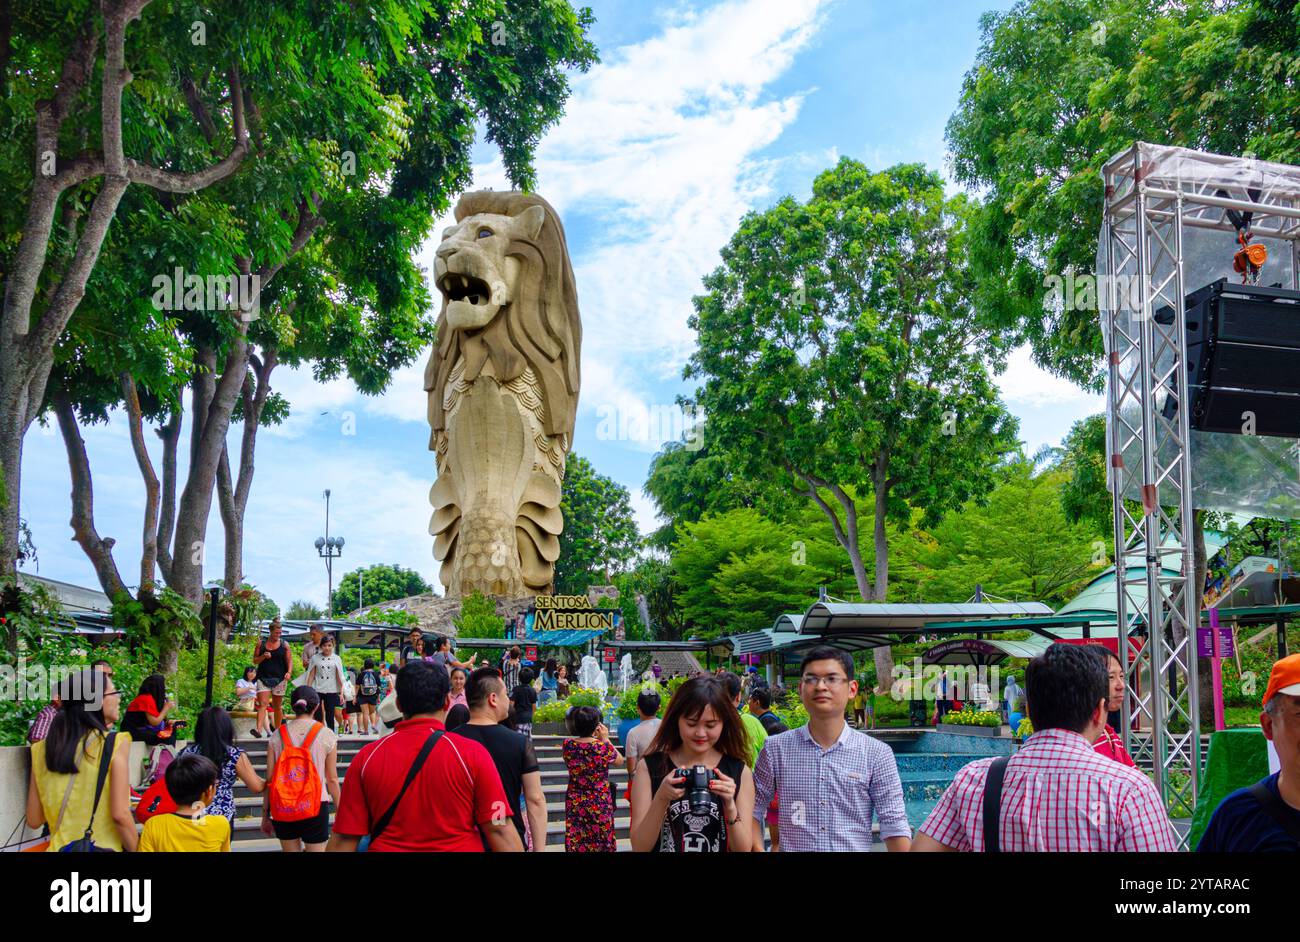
(105, 760)
(410, 777)
(993, 804)
(1289, 823)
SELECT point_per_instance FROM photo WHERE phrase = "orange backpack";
(296, 784)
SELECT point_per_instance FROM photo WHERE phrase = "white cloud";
(659, 146)
(1025, 383)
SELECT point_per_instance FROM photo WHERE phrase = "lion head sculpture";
(502, 386)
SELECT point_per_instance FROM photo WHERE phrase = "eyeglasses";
(831, 680)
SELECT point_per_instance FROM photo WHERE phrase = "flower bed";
(973, 722)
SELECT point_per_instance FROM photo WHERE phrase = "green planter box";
(991, 732)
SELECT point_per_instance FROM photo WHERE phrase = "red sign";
(611, 655)
(530, 653)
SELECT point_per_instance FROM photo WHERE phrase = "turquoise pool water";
(928, 764)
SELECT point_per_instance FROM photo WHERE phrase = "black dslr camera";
(697, 787)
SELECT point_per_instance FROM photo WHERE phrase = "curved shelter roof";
(978, 653)
(835, 619)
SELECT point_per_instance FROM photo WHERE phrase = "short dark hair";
(483, 683)
(188, 777)
(422, 688)
(1063, 686)
(762, 696)
(305, 700)
(526, 676)
(825, 652)
(647, 702)
(515, 652)
(585, 720)
(730, 683)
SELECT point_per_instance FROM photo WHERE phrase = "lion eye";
(485, 233)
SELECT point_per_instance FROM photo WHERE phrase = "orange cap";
(1285, 678)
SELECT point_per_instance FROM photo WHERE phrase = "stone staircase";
(248, 837)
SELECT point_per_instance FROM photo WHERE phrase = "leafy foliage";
(600, 535)
(478, 618)
(157, 623)
(380, 583)
(1059, 87)
(302, 610)
(840, 353)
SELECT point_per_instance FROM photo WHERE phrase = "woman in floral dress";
(589, 802)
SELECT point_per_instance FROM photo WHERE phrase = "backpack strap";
(105, 760)
(993, 803)
(1289, 824)
(285, 738)
(410, 777)
(311, 735)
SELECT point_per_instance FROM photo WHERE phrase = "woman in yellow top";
(65, 768)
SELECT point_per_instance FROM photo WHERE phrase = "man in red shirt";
(454, 803)
(1110, 743)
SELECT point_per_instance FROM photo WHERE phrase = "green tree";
(302, 610)
(1018, 545)
(478, 618)
(1084, 495)
(371, 585)
(600, 536)
(357, 153)
(688, 482)
(1061, 86)
(840, 354)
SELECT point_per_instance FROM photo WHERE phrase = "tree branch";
(98, 550)
(171, 436)
(149, 539)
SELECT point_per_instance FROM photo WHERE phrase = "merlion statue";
(503, 394)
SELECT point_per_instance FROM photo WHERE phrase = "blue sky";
(698, 113)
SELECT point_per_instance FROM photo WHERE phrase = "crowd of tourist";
(719, 772)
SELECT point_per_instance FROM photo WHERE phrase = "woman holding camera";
(693, 793)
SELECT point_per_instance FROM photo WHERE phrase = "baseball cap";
(1285, 678)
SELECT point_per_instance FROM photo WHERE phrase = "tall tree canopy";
(370, 585)
(840, 354)
(1059, 87)
(600, 537)
(353, 125)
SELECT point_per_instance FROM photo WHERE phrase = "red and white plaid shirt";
(1058, 795)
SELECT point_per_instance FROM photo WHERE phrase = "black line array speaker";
(1243, 359)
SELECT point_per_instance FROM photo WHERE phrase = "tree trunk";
(149, 534)
(98, 549)
(233, 495)
(171, 436)
(188, 547)
(884, 656)
(846, 534)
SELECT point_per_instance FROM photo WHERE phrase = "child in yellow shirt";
(192, 783)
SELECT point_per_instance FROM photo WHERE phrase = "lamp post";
(329, 548)
(213, 598)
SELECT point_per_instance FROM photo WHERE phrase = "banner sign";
(569, 613)
(611, 655)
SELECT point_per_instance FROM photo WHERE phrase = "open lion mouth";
(459, 287)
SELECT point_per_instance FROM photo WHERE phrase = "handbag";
(86, 843)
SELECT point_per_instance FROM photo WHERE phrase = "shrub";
(626, 708)
(970, 717)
